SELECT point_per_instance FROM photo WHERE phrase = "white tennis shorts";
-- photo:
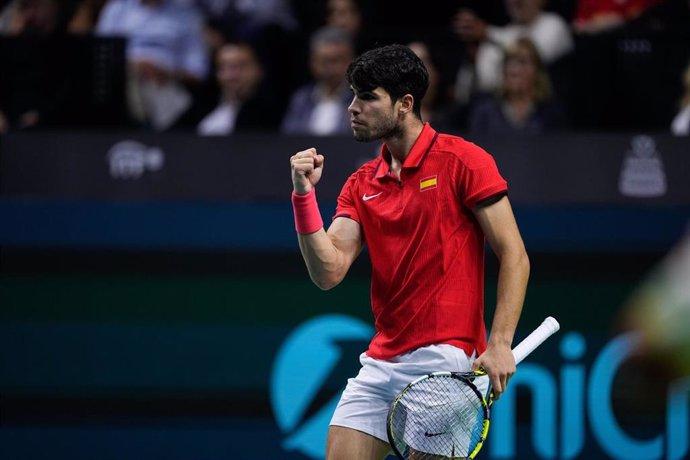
(367, 398)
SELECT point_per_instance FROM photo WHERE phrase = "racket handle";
(547, 328)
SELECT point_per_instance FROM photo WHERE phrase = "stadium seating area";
(65, 65)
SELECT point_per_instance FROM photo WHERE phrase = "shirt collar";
(417, 153)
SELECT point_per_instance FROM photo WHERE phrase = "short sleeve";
(345, 206)
(479, 177)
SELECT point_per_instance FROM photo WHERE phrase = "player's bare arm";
(328, 255)
(501, 231)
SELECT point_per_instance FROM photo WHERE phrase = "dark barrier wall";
(154, 304)
(604, 169)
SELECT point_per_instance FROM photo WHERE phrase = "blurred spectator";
(166, 53)
(33, 18)
(594, 16)
(344, 14)
(270, 26)
(245, 104)
(82, 16)
(681, 123)
(320, 107)
(524, 102)
(28, 93)
(485, 43)
(435, 102)
(246, 20)
(46, 17)
(349, 16)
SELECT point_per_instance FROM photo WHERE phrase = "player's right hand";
(306, 167)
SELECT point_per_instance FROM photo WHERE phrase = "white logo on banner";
(130, 159)
(642, 175)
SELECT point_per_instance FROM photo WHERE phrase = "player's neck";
(400, 146)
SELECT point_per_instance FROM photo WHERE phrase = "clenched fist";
(306, 167)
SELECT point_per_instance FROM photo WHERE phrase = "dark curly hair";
(395, 68)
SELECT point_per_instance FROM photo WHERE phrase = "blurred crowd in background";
(218, 67)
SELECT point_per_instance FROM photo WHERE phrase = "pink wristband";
(307, 215)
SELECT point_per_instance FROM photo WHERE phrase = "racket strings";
(438, 418)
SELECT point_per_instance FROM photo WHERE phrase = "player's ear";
(406, 103)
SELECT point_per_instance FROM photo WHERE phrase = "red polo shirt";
(425, 245)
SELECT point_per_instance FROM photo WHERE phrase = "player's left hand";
(499, 363)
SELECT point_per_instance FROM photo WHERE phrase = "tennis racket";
(445, 415)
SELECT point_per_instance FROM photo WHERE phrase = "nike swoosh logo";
(370, 197)
(431, 435)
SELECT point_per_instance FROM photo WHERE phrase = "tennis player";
(424, 208)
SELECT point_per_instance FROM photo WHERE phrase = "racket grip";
(547, 328)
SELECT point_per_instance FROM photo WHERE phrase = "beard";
(384, 128)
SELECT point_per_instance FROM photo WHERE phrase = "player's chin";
(361, 135)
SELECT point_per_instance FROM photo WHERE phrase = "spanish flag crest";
(428, 183)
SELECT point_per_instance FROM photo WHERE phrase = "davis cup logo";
(643, 174)
(305, 363)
